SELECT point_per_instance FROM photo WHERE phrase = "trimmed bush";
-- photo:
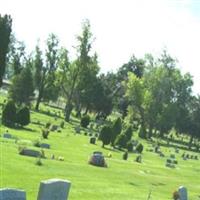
(62, 124)
(129, 146)
(45, 133)
(9, 114)
(39, 161)
(116, 130)
(121, 141)
(23, 116)
(105, 135)
(85, 120)
(139, 148)
(128, 132)
(47, 125)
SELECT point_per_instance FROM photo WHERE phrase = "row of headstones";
(187, 156)
(52, 189)
(10, 136)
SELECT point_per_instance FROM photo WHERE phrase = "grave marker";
(12, 194)
(54, 189)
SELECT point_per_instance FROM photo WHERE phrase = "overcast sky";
(121, 28)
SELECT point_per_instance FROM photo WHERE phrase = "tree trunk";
(150, 132)
(191, 140)
(86, 110)
(39, 98)
(68, 110)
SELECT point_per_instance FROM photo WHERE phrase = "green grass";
(125, 180)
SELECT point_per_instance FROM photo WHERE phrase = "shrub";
(116, 130)
(9, 114)
(37, 143)
(47, 125)
(139, 148)
(121, 141)
(85, 120)
(39, 162)
(62, 124)
(142, 133)
(105, 135)
(128, 132)
(129, 146)
(23, 116)
(45, 133)
(21, 149)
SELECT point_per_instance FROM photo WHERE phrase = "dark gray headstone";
(12, 194)
(172, 156)
(77, 129)
(54, 189)
(92, 140)
(45, 145)
(183, 193)
(7, 135)
(53, 128)
(30, 152)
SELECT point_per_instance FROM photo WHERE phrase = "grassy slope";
(125, 180)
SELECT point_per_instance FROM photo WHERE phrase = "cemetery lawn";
(122, 180)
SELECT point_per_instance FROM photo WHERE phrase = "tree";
(121, 140)
(21, 90)
(116, 130)
(9, 114)
(23, 116)
(128, 132)
(105, 135)
(134, 65)
(5, 31)
(73, 77)
(137, 95)
(45, 74)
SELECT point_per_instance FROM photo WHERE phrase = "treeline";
(150, 93)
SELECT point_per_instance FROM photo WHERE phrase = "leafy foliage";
(5, 31)
(23, 116)
(105, 135)
(9, 114)
(85, 120)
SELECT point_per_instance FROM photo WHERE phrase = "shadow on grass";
(133, 184)
(50, 114)
(185, 148)
(24, 129)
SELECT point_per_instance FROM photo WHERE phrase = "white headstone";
(54, 189)
(183, 193)
(12, 194)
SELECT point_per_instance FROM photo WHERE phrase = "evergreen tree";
(5, 31)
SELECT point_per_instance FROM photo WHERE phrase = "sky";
(121, 28)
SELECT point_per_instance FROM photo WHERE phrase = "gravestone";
(176, 150)
(172, 156)
(92, 140)
(125, 155)
(45, 145)
(183, 193)
(54, 189)
(7, 135)
(77, 129)
(30, 152)
(162, 154)
(53, 128)
(12, 194)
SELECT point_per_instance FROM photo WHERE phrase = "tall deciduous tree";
(5, 31)
(45, 73)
